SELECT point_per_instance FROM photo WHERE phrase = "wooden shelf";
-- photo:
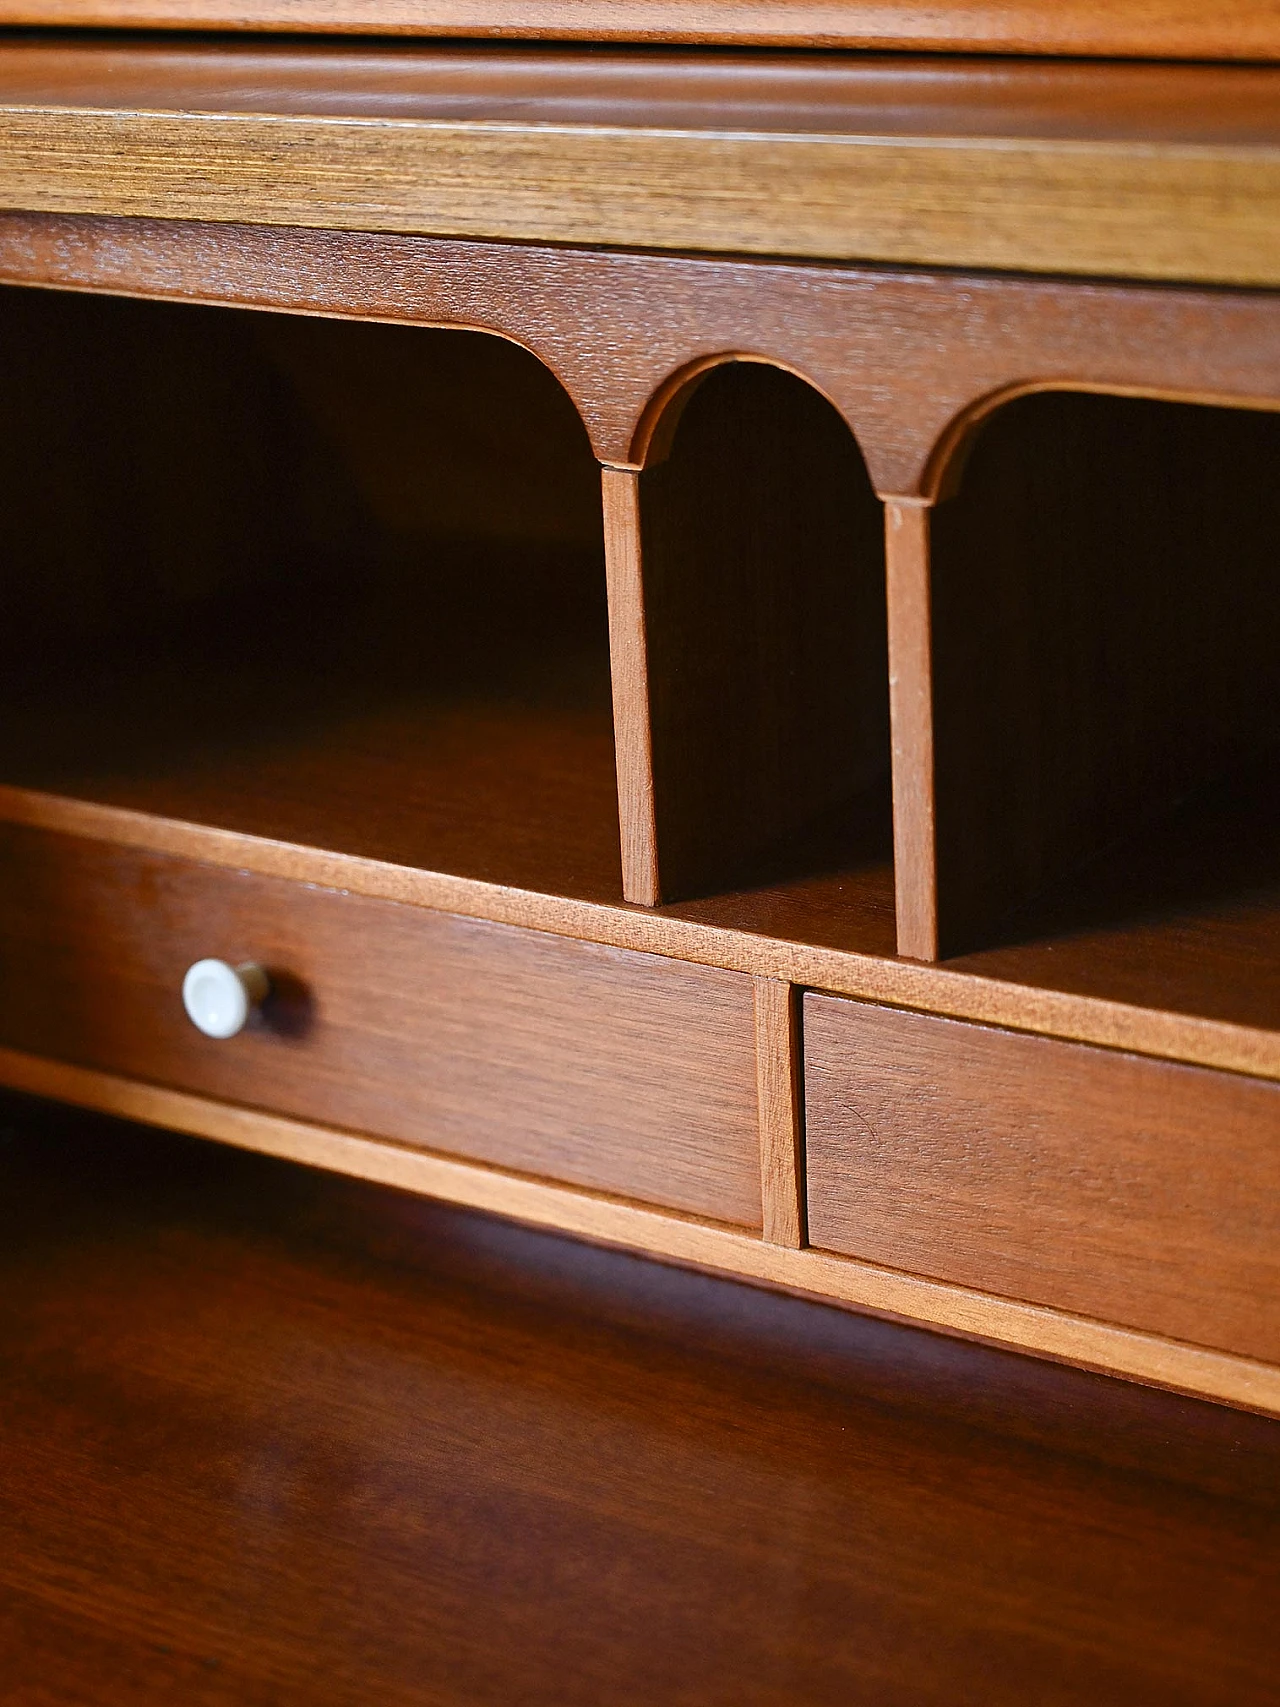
(1138, 171)
(1246, 30)
(502, 781)
(1183, 919)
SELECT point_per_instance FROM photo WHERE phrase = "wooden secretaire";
(676, 642)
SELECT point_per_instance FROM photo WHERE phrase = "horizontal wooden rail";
(1241, 30)
(1149, 172)
(953, 1309)
(937, 989)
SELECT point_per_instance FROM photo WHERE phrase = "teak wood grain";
(1189, 983)
(629, 671)
(779, 1092)
(213, 512)
(681, 1239)
(271, 1435)
(1132, 1191)
(910, 666)
(1132, 171)
(612, 1070)
(1141, 29)
(1105, 621)
(912, 359)
(762, 568)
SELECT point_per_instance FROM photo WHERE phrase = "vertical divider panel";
(778, 1090)
(907, 566)
(629, 667)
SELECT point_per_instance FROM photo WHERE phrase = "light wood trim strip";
(915, 862)
(778, 1094)
(1233, 29)
(1163, 210)
(952, 1309)
(934, 989)
(629, 668)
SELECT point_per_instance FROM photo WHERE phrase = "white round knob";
(219, 998)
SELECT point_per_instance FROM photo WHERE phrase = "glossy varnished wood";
(1105, 621)
(215, 513)
(275, 1436)
(572, 1061)
(474, 807)
(979, 1316)
(1127, 1190)
(762, 571)
(1144, 29)
(912, 359)
(779, 1094)
(1145, 171)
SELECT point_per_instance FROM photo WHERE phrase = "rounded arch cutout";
(660, 419)
(464, 428)
(763, 550)
(949, 457)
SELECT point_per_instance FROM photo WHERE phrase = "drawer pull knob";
(219, 998)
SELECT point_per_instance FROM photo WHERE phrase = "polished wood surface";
(1128, 1190)
(218, 512)
(1142, 29)
(323, 608)
(611, 1070)
(909, 629)
(1161, 172)
(272, 1435)
(472, 804)
(780, 1098)
(762, 568)
(979, 1316)
(1192, 905)
(913, 360)
(1105, 623)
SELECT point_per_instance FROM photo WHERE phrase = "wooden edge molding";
(1206, 212)
(899, 983)
(629, 335)
(995, 1321)
(1243, 30)
(629, 672)
(778, 1091)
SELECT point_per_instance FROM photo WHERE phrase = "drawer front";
(623, 1072)
(1132, 1190)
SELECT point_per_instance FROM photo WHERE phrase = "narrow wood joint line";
(779, 1103)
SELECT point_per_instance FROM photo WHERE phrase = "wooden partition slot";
(1105, 625)
(336, 584)
(753, 579)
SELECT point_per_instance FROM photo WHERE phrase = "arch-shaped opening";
(333, 582)
(763, 546)
(1106, 620)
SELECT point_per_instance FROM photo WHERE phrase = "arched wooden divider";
(1083, 636)
(750, 674)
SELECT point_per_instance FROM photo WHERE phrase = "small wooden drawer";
(1135, 1191)
(616, 1071)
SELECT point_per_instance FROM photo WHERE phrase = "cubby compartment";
(1106, 702)
(767, 678)
(332, 583)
